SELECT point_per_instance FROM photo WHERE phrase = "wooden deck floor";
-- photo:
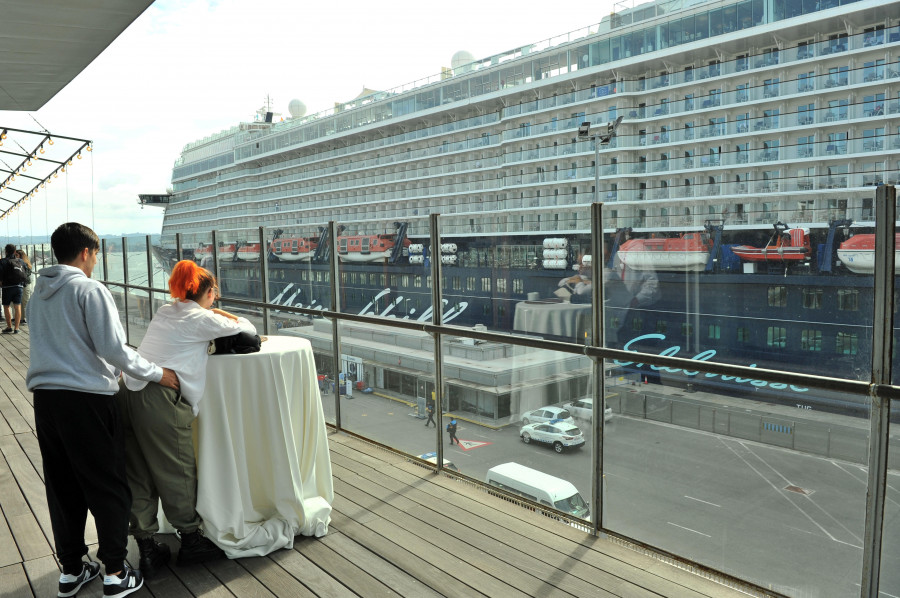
(397, 530)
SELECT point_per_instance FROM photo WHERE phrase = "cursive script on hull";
(702, 356)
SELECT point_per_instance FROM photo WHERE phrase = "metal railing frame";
(879, 389)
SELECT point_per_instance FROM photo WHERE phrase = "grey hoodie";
(77, 341)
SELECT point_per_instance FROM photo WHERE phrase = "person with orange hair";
(160, 461)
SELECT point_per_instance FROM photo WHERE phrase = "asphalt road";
(783, 519)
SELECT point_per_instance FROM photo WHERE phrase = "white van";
(539, 487)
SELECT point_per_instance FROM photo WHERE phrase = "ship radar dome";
(462, 62)
(296, 108)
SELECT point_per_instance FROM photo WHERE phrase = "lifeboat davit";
(787, 245)
(858, 253)
(687, 253)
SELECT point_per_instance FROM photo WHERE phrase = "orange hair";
(189, 281)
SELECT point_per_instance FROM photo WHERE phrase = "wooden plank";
(384, 571)
(312, 576)
(426, 572)
(276, 579)
(31, 485)
(14, 582)
(197, 579)
(32, 450)
(237, 579)
(43, 576)
(351, 574)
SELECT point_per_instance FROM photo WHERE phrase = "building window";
(846, 343)
(418, 281)
(637, 324)
(661, 326)
(776, 336)
(687, 329)
(470, 283)
(848, 300)
(518, 286)
(812, 298)
(616, 322)
(501, 285)
(811, 340)
(457, 283)
(743, 334)
(486, 285)
(777, 296)
(715, 331)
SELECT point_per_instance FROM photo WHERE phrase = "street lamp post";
(602, 136)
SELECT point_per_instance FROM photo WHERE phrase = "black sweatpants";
(83, 449)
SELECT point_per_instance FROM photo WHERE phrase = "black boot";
(197, 548)
(154, 556)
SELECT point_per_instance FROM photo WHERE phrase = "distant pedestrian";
(430, 410)
(451, 430)
(29, 283)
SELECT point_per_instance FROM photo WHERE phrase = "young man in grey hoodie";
(78, 351)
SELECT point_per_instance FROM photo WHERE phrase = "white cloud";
(189, 68)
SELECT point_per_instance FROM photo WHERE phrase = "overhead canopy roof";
(44, 44)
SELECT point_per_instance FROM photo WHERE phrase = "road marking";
(703, 501)
(688, 529)
(468, 445)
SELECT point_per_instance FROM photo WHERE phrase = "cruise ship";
(749, 140)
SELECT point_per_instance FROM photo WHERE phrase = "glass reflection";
(774, 494)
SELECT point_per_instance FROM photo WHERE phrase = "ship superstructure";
(753, 112)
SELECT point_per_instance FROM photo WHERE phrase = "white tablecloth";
(570, 320)
(264, 466)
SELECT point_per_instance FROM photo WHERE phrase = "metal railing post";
(149, 276)
(125, 281)
(264, 276)
(882, 337)
(599, 391)
(335, 323)
(179, 251)
(215, 258)
(437, 318)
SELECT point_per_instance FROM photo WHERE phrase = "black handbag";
(240, 343)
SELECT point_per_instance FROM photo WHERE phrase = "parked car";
(545, 414)
(584, 409)
(558, 434)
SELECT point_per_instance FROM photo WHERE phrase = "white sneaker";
(130, 581)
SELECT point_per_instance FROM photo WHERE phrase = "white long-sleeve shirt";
(178, 338)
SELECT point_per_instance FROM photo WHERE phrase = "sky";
(186, 69)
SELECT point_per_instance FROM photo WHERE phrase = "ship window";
(303, 275)
(776, 337)
(812, 298)
(637, 323)
(777, 296)
(715, 331)
(418, 281)
(846, 343)
(470, 283)
(457, 284)
(662, 326)
(687, 329)
(344, 278)
(811, 340)
(383, 279)
(404, 280)
(848, 300)
(518, 286)
(501, 285)
(486, 285)
(428, 281)
(743, 334)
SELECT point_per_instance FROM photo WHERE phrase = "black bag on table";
(240, 343)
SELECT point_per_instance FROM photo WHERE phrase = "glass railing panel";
(384, 268)
(769, 296)
(756, 479)
(386, 375)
